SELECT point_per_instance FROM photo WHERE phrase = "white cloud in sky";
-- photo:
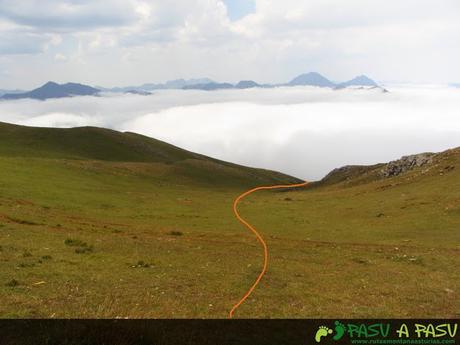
(119, 42)
(302, 131)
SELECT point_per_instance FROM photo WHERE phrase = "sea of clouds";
(305, 132)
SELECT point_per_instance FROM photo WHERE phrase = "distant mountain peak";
(54, 90)
(246, 84)
(361, 80)
(50, 83)
(311, 79)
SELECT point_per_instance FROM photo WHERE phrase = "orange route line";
(258, 236)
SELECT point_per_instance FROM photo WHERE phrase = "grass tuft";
(26, 265)
(12, 283)
(84, 250)
(75, 243)
(361, 261)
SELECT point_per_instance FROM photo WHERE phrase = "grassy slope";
(383, 248)
(91, 143)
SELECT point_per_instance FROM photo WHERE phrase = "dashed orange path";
(259, 237)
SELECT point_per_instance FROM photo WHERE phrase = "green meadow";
(101, 224)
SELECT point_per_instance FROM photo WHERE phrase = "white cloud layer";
(305, 132)
(119, 42)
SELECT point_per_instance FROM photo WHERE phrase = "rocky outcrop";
(348, 173)
(406, 163)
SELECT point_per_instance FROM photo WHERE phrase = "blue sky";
(238, 9)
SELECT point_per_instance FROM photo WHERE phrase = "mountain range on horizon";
(54, 90)
(169, 85)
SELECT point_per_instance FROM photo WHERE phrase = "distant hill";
(169, 85)
(209, 86)
(54, 90)
(247, 84)
(3, 92)
(243, 84)
(361, 80)
(311, 79)
(180, 83)
(92, 143)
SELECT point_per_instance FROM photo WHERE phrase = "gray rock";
(406, 163)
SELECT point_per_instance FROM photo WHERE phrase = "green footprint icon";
(339, 330)
(322, 332)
